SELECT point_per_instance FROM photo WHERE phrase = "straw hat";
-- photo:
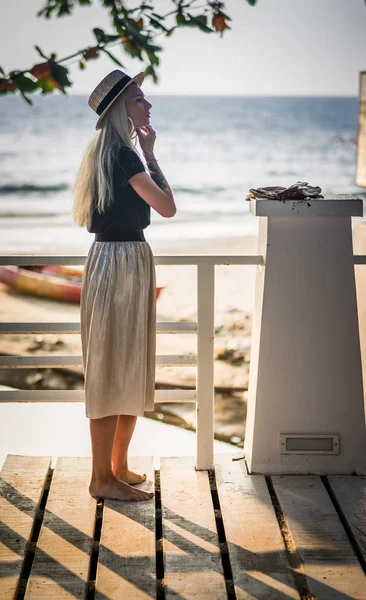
(108, 90)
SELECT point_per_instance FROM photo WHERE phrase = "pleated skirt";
(118, 329)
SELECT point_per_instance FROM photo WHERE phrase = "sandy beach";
(234, 299)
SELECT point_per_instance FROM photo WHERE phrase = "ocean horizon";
(212, 150)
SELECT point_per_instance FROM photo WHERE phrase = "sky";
(277, 48)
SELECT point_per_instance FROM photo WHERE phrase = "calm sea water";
(211, 150)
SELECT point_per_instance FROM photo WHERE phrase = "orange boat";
(57, 282)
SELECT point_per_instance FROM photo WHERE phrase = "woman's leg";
(104, 484)
(125, 428)
(102, 433)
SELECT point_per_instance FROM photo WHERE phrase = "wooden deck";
(216, 535)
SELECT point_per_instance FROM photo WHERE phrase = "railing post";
(205, 366)
(306, 410)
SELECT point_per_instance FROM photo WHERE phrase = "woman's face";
(138, 108)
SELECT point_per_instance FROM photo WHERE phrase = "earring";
(132, 130)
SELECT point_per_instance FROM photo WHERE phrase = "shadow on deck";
(206, 534)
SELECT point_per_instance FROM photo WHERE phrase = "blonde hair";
(93, 186)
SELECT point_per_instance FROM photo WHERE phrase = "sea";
(212, 150)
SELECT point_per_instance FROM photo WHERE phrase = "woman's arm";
(160, 199)
(157, 174)
(154, 189)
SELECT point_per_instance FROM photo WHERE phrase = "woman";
(112, 198)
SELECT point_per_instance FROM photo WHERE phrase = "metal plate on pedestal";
(309, 443)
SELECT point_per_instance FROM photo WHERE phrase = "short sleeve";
(128, 164)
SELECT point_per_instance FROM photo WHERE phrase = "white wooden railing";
(203, 395)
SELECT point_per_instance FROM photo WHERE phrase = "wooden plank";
(126, 563)
(350, 491)
(35, 259)
(33, 362)
(61, 563)
(331, 566)
(193, 567)
(160, 259)
(74, 327)
(256, 549)
(21, 487)
(78, 396)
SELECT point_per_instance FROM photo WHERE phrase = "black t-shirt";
(129, 210)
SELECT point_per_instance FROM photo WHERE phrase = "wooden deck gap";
(90, 595)
(160, 569)
(31, 549)
(294, 559)
(343, 520)
(224, 550)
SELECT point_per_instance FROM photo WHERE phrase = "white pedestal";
(305, 372)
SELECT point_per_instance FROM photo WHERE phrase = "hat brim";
(139, 78)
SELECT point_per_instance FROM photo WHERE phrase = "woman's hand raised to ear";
(147, 137)
(153, 188)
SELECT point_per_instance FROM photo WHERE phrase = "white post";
(205, 366)
(305, 399)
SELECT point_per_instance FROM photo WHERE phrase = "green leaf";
(154, 60)
(131, 49)
(111, 38)
(46, 12)
(60, 7)
(151, 71)
(131, 25)
(201, 18)
(24, 84)
(115, 60)
(157, 24)
(104, 38)
(84, 2)
(252, 2)
(199, 21)
(180, 18)
(63, 10)
(2, 71)
(60, 74)
(99, 35)
(152, 47)
(47, 86)
(158, 16)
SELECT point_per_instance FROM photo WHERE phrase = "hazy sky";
(279, 47)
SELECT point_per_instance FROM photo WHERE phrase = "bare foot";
(118, 490)
(130, 477)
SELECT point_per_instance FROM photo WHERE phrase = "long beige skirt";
(118, 329)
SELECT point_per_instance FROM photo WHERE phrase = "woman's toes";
(130, 477)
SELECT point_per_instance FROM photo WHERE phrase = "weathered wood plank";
(191, 548)
(126, 564)
(350, 492)
(61, 563)
(21, 487)
(331, 566)
(256, 549)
